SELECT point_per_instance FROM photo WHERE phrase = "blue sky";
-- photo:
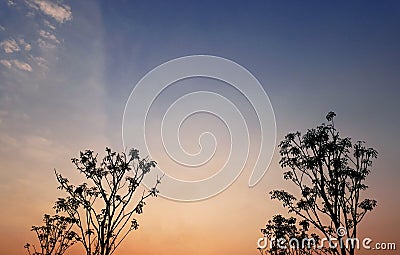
(68, 67)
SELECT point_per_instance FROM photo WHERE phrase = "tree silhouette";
(55, 236)
(102, 207)
(282, 236)
(330, 172)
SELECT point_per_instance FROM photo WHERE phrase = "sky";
(67, 69)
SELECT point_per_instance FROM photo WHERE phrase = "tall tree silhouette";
(54, 237)
(103, 207)
(330, 172)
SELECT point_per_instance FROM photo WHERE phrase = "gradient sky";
(67, 69)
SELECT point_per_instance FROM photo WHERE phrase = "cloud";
(49, 25)
(41, 62)
(17, 64)
(49, 36)
(11, 3)
(6, 63)
(47, 40)
(22, 65)
(10, 46)
(28, 50)
(45, 45)
(59, 12)
(26, 46)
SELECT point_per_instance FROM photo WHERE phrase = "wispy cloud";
(59, 12)
(40, 62)
(44, 44)
(23, 66)
(11, 3)
(27, 51)
(47, 40)
(49, 25)
(26, 46)
(10, 46)
(49, 36)
(6, 63)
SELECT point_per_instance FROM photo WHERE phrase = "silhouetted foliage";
(282, 236)
(102, 207)
(55, 236)
(330, 172)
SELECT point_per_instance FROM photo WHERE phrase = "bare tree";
(330, 172)
(102, 207)
(55, 236)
